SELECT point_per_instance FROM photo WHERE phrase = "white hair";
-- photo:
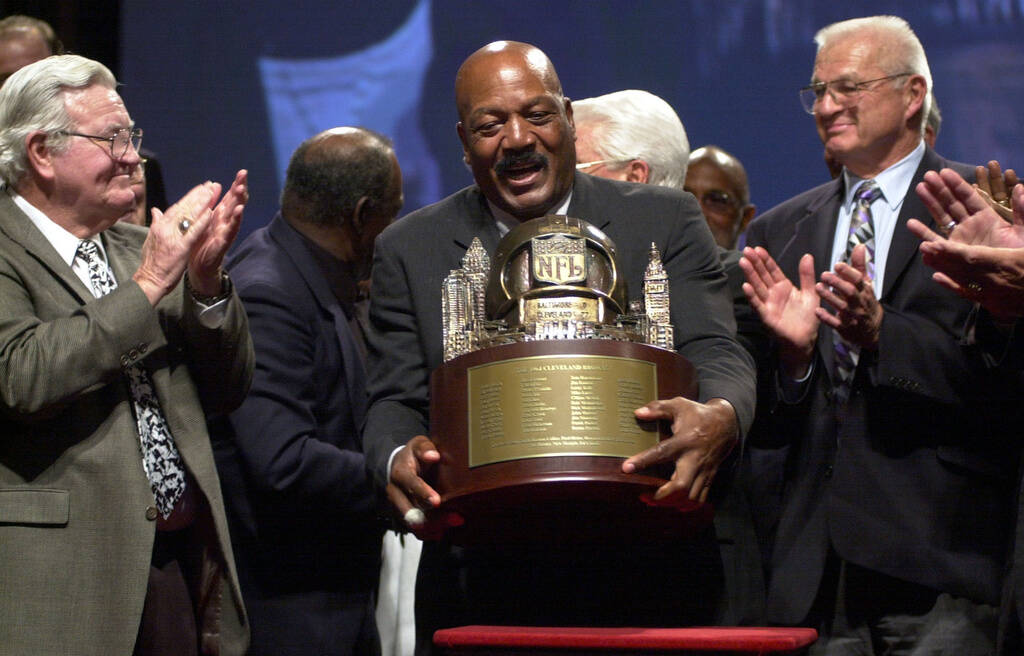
(32, 100)
(633, 124)
(902, 51)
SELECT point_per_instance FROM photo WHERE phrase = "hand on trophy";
(410, 495)
(703, 434)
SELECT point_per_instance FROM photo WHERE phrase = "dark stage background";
(221, 85)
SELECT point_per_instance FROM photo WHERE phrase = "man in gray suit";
(112, 529)
(517, 132)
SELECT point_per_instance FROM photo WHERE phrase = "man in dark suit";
(112, 527)
(517, 132)
(299, 497)
(897, 501)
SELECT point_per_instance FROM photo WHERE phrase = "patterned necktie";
(160, 457)
(862, 231)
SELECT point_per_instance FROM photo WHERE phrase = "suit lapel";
(903, 248)
(814, 233)
(123, 259)
(475, 221)
(20, 229)
(587, 202)
(355, 375)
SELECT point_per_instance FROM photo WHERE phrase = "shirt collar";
(893, 181)
(506, 221)
(65, 243)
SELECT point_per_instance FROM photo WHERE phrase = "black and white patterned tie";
(862, 231)
(160, 457)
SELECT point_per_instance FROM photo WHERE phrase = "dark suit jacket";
(75, 539)
(1003, 354)
(297, 490)
(909, 479)
(412, 258)
(415, 254)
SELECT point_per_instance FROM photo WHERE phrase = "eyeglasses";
(844, 92)
(586, 165)
(119, 142)
(717, 200)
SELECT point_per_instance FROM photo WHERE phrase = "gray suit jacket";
(413, 256)
(75, 535)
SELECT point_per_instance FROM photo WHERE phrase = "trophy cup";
(545, 361)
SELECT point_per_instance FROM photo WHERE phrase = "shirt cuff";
(793, 391)
(212, 316)
(391, 459)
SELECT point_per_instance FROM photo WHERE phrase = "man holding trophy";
(517, 132)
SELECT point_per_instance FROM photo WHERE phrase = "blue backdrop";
(224, 85)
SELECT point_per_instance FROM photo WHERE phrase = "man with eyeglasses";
(932, 125)
(115, 343)
(719, 182)
(24, 40)
(631, 135)
(897, 500)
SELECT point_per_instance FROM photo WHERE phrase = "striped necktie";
(160, 458)
(862, 231)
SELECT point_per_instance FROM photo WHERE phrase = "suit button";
(142, 348)
(828, 471)
(125, 361)
(151, 513)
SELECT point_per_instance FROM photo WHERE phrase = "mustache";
(519, 159)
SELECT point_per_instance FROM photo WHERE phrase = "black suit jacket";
(909, 478)
(298, 494)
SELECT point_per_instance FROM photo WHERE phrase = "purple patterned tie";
(862, 231)
(160, 457)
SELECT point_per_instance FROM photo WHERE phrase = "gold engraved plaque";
(559, 405)
(561, 308)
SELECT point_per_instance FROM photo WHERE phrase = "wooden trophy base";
(532, 437)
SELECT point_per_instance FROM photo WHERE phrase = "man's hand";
(961, 213)
(994, 186)
(848, 289)
(788, 311)
(993, 277)
(406, 488)
(166, 250)
(703, 434)
(218, 234)
(982, 259)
